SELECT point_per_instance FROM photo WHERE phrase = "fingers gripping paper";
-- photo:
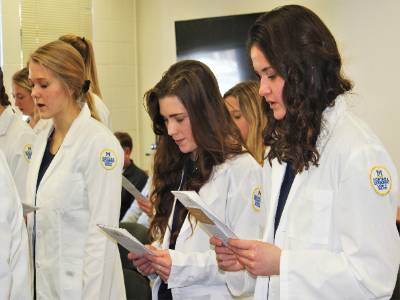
(200, 210)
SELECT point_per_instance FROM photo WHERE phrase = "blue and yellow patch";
(256, 198)
(28, 152)
(108, 159)
(380, 180)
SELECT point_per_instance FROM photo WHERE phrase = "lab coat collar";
(330, 117)
(68, 141)
(74, 130)
(6, 119)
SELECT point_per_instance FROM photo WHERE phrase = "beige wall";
(366, 32)
(11, 40)
(114, 39)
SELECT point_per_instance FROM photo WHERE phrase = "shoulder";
(19, 127)
(238, 165)
(243, 160)
(96, 137)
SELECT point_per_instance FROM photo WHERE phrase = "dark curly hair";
(302, 50)
(3, 95)
(214, 132)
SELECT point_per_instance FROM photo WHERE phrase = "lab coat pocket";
(310, 219)
(71, 278)
(321, 215)
(72, 192)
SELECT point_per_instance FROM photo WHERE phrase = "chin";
(279, 115)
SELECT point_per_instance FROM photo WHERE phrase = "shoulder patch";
(256, 197)
(108, 159)
(380, 180)
(28, 152)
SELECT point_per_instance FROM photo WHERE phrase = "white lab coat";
(337, 234)
(16, 140)
(42, 125)
(15, 279)
(102, 110)
(230, 194)
(80, 189)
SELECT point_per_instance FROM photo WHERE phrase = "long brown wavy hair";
(302, 50)
(213, 130)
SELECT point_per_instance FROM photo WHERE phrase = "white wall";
(366, 31)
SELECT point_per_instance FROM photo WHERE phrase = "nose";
(265, 88)
(34, 93)
(171, 128)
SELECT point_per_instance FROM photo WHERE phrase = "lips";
(179, 141)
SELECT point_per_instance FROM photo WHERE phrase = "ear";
(127, 151)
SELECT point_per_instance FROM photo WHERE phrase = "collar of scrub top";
(6, 119)
(329, 120)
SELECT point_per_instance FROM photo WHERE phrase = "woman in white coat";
(75, 180)
(15, 276)
(335, 237)
(16, 140)
(199, 148)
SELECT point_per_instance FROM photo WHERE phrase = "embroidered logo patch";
(28, 152)
(108, 159)
(256, 198)
(381, 180)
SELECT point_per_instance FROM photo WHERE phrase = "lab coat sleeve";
(103, 176)
(366, 262)
(191, 268)
(246, 216)
(20, 164)
(15, 279)
(133, 213)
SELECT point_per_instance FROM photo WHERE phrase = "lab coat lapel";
(35, 163)
(276, 171)
(167, 235)
(69, 139)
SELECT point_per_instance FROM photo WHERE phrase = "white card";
(201, 211)
(125, 239)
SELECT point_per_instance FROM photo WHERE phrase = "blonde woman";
(245, 107)
(21, 92)
(85, 48)
(75, 179)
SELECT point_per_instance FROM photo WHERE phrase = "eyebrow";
(173, 115)
(266, 68)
